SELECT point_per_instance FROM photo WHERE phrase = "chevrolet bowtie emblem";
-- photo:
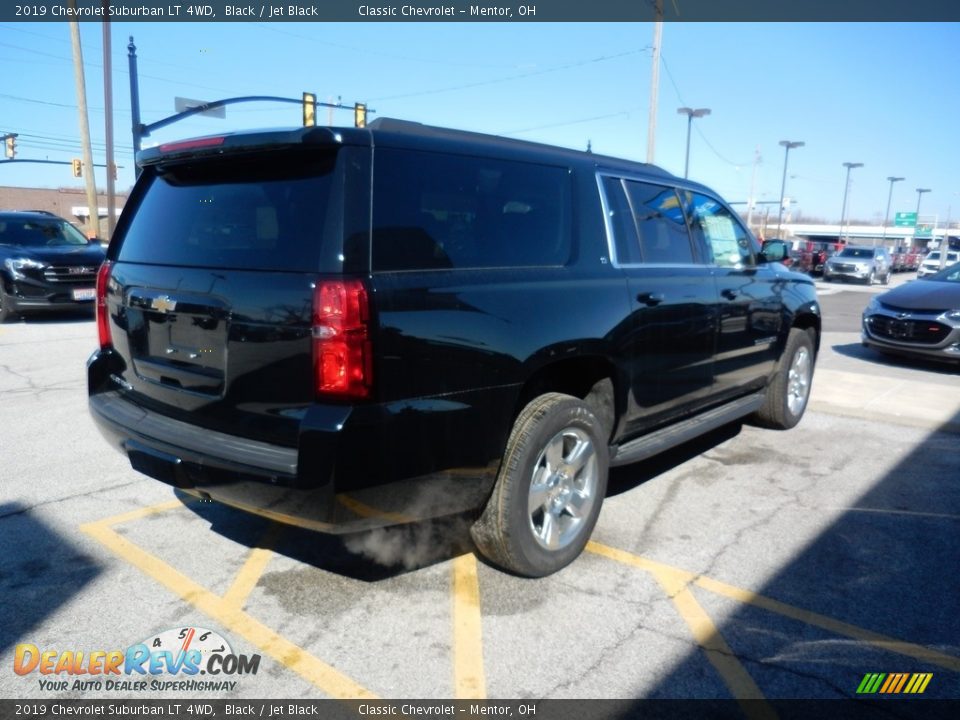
(163, 304)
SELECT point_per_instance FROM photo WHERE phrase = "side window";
(664, 237)
(626, 241)
(728, 242)
(433, 211)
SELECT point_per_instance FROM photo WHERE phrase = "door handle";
(651, 298)
(729, 293)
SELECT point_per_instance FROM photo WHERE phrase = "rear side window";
(263, 213)
(664, 237)
(433, 211)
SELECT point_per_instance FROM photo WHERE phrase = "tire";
(885, 280)
(789, 391)
(549, 490)
(871, 278)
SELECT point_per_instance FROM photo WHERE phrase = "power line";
(703, 137)
(521, 76)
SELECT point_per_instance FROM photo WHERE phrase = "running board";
(673, 435)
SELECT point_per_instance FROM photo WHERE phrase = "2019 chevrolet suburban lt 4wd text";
(349, 328)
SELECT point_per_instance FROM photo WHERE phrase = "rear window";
(267, 212)
(435, 212)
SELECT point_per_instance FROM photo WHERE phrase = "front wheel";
(548, 493)
(789, 391)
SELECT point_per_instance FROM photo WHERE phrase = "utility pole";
(654, 82)
(93, 221)
(108, 119)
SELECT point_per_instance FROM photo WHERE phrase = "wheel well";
(810, 321)
(592, 379)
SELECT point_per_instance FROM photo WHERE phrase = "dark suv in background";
(348, 328)
(45, 264)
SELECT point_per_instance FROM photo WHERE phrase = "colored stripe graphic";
(894, 683)
(870, 683)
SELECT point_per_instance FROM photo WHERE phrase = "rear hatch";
(213, 273)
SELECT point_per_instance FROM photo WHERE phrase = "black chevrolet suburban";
(348, 328)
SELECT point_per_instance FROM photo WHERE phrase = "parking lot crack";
(26, 509)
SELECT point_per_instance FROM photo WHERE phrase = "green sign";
(923, 230)
(905, 219)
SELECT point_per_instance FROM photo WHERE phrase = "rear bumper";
(345, 475)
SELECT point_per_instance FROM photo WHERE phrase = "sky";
(881, 94)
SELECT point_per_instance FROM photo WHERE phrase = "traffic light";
(309, 109)
(360, 115)
(11, 143)
(77, 167)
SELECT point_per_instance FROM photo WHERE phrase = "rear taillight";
(103, 315)
(342, 359)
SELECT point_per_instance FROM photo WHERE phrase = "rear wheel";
(788, 393)
(551, 484)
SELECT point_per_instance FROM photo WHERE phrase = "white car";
(931, 263)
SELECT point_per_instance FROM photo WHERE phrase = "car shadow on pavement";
(369, 556)
(384, 553)
(858, 352)
(41, 571)
(875, 590)
(627, 477)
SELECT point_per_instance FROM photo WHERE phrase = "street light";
(783, 185)
(691, 114)
(843, 213)
(920, 192)
(886, 216)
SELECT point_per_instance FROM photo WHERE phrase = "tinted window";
(622, 225)
(725, 236)
(660, 223)
(34, 232)
(433, 211)
(245, 213)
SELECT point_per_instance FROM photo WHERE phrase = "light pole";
(691, 114)
(789, 145)
(920, 192)
(843, 212)
(886, 217)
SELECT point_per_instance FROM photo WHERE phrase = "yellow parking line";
(325, 677)
(252, 569)
(676, 583)
(747, 597)
(364, 510)
(143, 512)
(883, 642)
(469, 682)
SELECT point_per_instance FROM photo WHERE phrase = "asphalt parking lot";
(750, 564)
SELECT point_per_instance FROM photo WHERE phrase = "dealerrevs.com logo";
(169, 661)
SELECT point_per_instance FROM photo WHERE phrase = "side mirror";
(774, 251)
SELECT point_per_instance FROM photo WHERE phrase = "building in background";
(68, 203)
